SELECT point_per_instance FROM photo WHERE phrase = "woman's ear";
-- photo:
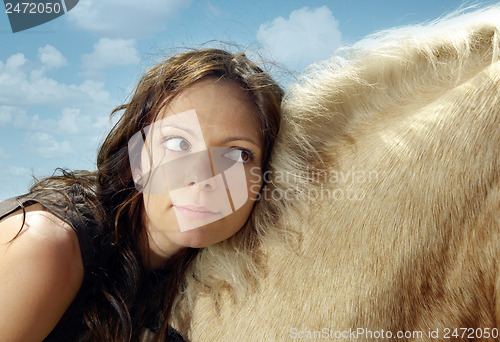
(135, 149)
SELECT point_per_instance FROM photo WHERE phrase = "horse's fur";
(399, 143)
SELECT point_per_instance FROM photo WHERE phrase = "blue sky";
(59, 81)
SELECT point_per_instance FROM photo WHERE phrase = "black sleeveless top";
(80, 217)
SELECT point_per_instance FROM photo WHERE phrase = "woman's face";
(200, 166)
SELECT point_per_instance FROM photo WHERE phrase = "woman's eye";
(238, 155)
(177, 144)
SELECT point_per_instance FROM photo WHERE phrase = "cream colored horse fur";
(385, 191)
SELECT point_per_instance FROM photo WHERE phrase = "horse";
(380, 217)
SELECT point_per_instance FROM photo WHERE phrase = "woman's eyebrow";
(182, 128)
(226, 140)
(229, 139)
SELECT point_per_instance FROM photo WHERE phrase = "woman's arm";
(41, 272)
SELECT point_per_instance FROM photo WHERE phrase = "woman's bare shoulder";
(42, 233)
(39, 224)
(41, 271)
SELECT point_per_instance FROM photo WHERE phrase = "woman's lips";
(197, 212)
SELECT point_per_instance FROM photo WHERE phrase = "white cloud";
(23, 85)
(5, 118)
(18, 171)
(15, 62)
(3, 155)
(6, 113)
(307, 36)
(51, 58)
(95, 90)
(48, 119)
(69, 121)
(110, 53)
(124, 18)
(46, 146)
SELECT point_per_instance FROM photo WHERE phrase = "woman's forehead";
(210, 92)
(214, 104)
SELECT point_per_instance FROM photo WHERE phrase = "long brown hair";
(116, 314)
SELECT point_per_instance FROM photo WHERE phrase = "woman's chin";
(194, 238)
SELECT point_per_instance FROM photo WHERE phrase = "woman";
(99, 256)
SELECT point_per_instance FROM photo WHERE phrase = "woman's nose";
(196, 170)
(208, 184)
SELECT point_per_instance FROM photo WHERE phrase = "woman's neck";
(155, 257)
